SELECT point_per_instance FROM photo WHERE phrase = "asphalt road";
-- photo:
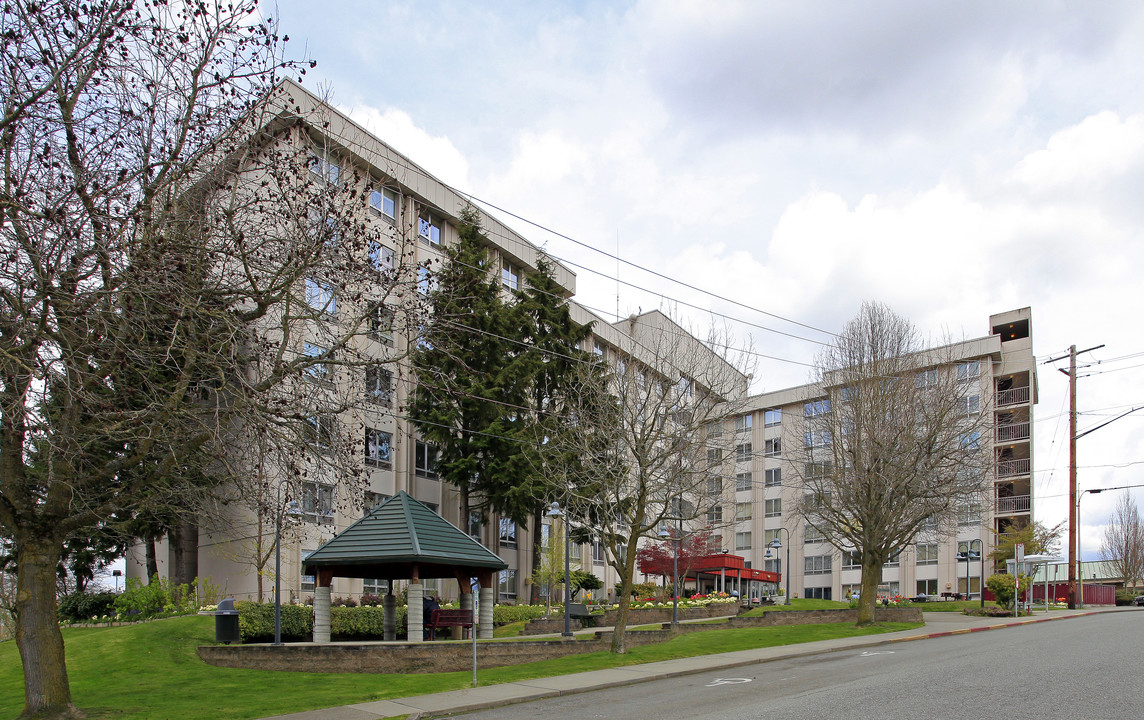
(1086, 667)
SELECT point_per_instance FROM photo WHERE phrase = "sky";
(790, 160)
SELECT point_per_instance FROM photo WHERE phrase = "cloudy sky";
(793, 159)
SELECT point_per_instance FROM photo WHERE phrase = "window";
(847, 393)
(715, 514)
(372, 500)
(599, 557)
(894, 560)
(817, 564)
(772, 447)
(968, 371)
(818, 470)
(714, 429)
(425, 460)
(815, 408)
(426, 283)
(851, 559)
(324, 227)
(743, 452)
(379, 385)
(817, 593)
(378, 448)
(811, 534)
(320, 296)
(383, 202)
(743, 423)
(742, 541)
(769, 537)
(927, 553)
(324, 168)
(927, 587)
(317, 502)
(476, 527)
(318, 371)
(772, 477)
(381, 324)
(817, 438)
(574, 552)
(374, 586)
(970, 440)
(772, 417)
(684, 387)
(307, 580)
(510, 275)
(320, 432)
(775, 566)
(773, 508)
(380, 256)
(507, 533)
(970, 405)
(929, 524)
(506, 588)
(742, 482)
(926, 378)
(969, 514)
(714, 457)
(598, 349)
(743, 511)
(429, 231)
(715, 486)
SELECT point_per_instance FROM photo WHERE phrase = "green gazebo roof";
(396, 536)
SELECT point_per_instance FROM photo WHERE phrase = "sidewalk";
(938, 624)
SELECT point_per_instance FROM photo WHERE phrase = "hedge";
(256, 621)
(83, 606)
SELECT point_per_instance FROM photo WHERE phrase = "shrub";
(1003, 587)
(645, 590)
(83, 606)
(256, 621)
(161, 599)
(505, 614)
(370, 600)
(340, 601)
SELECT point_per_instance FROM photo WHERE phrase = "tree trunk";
(175, 543)
(871, 576)
(627, 579)
(537, 551)
(152, 560)
(46, 690)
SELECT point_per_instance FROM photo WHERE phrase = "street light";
(116, 574)
(1079, 558)
(664, 534)
(777, 545)
(968, 556)
(292, 510)
(554, 511)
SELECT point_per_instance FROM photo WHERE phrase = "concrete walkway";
(938, 624)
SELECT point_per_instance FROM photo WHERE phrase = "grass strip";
(151, 670)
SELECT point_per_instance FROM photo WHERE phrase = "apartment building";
(772, 429)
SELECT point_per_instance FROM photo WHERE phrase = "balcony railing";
(1012, 396)
(1013, 504)
(1009, 468)
(1012, 431)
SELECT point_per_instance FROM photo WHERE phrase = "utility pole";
(1073, 529)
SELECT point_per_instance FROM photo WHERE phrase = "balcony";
(1013, 504)
(1012, 396)
(1010, 468)
(1011, 432)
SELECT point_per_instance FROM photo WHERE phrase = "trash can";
(226, 622)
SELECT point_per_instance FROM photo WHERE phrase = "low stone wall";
(658, 615)
(772, 618)
(427, 657)
(544, 627)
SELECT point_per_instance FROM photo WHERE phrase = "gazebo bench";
(448, 618)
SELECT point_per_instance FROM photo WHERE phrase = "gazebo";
(403, 538)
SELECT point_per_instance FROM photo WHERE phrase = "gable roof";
(396, 536)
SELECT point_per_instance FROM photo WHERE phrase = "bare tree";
(1123, 545)
(641, 451)
(181, 276)
(895, 439)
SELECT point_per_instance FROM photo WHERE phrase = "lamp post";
(1079, 559)
(664, 534)
(968, 556)
(293, 510)
(777, 545)
(554, 511)
(116, 574)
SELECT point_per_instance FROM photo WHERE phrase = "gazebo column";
(485, 622)
(415, 613)
(465, 583)
(325, 579)
(389, 620)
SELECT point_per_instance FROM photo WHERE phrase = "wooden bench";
(448, 618)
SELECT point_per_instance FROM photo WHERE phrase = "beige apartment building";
(414, 215)
(1002, 369)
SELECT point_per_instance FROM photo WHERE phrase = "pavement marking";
(728, 681)
(877, 652)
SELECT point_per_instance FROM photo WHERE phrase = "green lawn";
(151, 670)
(798, 604)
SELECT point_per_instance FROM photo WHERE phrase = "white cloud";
(437, 154)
